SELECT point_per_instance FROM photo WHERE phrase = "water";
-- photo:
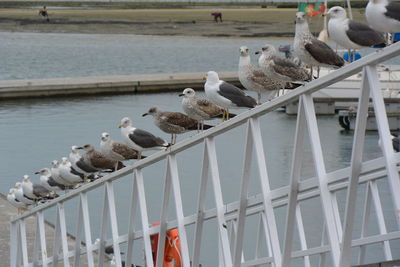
(35, 132)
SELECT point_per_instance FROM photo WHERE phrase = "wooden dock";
(148, 83)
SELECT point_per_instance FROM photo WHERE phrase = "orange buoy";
(172, 248)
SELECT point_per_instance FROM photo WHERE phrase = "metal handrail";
(315, 85)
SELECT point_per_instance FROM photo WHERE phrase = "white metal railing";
(230, 219)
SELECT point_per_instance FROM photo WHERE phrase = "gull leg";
(318, 70)
(258, 98)
(202, 125)
(139, 155)
(227, 114)
(172, 138)
(311, 70)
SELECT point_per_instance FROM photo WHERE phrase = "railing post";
(384, 134)
(319, 164)
(356, 160)
(14, 243)
(295, 172)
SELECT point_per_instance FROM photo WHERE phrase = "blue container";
(353, 56)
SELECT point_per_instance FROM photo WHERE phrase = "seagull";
(280, 69)
(20, 195)
(47, 181)
(351, 34)
(98, 160)
(312, 51)
(79, 164)
(225, 94)
(55, 173)
(69, 174)
(173, 122)
(116, 150)
(200, 109)
(383, 15)
(138, 139)
(36, 191)
(254, 79)
(14, 201)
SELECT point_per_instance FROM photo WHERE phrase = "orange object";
(172, 247)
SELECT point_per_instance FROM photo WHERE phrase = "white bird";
(225, 94)
(55, 173)
(253, 78)
(116, 150)
(200, 109)
(14, 201)
(312, 51)
(19, 195)
(79, 164)
(36, 191)
(140, 140)
(69, 174)
(47, 181)
(351, 34)
(173, 122)
(383, 15)
(280, 69)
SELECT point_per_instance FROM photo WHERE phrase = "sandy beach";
(237, 22)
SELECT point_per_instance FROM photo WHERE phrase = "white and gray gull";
(225, 94)
(140, 140)
(383, 15)
(79, 165)
(14, 201)
(173, 122)
(312, 51)
(98, 160)
(200, 109)
(280, 69)
(47, 181)
(254, 79)
(351, 34)
(20, 195)
(116, 150)
(36, 191)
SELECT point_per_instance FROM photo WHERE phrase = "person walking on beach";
(43, 12)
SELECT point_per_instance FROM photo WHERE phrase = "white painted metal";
(323, 187)
(356, 160)
(319, 164)
(294, 184)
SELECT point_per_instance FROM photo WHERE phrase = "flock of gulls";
(272, 74)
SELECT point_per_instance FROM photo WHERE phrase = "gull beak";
(120, 126)
(181, 94)
(145, 114)
(257, 52)
(81, 147)
(204, 78)
(37, 172)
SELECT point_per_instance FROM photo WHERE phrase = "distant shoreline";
(237, 22)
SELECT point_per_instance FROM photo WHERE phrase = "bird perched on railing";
(226, 95)
(14, 201)
(200, 109)
(20, 195)
(280, 69)
(140, 140)
(98, 160)
(351, 34)
(312, 51)
(36, 192)
(173, 122)
(79, 165)
(69, 174)
(116, 150)
(383, 15)
(47, 181)
(55, 173)
(253, 78)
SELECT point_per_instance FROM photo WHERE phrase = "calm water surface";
(35, 132)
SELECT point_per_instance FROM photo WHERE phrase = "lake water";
(35, 132)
